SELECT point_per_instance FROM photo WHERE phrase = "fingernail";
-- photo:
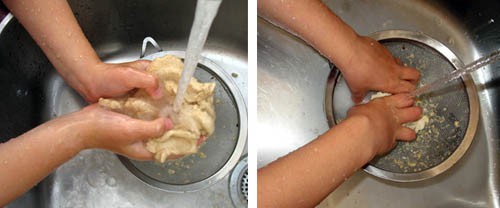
(201, 140)
(157, 93)
(168, 124)
(408, 96)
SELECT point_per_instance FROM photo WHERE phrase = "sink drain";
(238, 184)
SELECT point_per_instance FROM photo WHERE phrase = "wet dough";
(416, 125)
(194, 120)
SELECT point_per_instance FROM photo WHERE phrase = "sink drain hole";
(238, 184)
(244, 185)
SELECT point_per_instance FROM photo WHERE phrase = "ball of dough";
(195, 118)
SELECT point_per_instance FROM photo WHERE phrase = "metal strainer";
(452, 110)
(222, 149)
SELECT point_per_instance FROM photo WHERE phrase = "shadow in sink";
(23, 69)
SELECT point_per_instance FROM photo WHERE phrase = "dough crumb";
(171, 172)
(194, 120)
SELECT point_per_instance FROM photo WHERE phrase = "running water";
(491, 58)
(203, 18)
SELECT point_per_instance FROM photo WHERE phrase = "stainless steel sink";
(32, 93)
(288, 66)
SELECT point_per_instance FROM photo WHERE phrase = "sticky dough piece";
(416, 125)
(195, 119)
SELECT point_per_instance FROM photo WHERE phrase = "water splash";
(204, 16)
(491, 58)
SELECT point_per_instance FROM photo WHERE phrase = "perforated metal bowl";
(221, 151)
(453, 110)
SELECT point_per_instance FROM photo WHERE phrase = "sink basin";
(288, 66)
(32, 92)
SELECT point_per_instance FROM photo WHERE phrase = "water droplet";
(111, 181)
(315, 131)
(20, 92)
(438, 21)
(451, 41)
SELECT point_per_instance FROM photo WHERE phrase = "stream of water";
(204, 16)
(490, 58)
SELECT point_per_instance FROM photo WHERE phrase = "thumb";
(153, 90)
(357, 97)
(143, 130)
(142, 79)
(139, 64)
(138, 151)
(138, 79)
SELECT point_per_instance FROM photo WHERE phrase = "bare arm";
(306, 176)
(315, 23)
(356, 56)
(54, 28)
(29, 158)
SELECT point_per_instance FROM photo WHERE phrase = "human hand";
(112, 80)
(372, 67)
(385, 117)
(96, 127)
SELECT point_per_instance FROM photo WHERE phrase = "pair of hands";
(372, 67)
(110, 130)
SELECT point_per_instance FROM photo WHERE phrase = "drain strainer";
(221, 151)
(238, 184)
(452, 110)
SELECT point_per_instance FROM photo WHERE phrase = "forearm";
(316, 24)
(306, 176)
(29, 158)
(55, 29)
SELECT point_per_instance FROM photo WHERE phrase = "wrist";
(350, 54)
(68, 133)
(363, 132)
(86, 75)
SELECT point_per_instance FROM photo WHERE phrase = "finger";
(410, 74)
(201, 140)
(393, 145)
(406, 115)
(138, 151)
(174, 157)
(404, 86)
(143, 130)
(405, 134)
(139, 79)
(398, 61)
(139, 64)
(400, 100)
(155, 93)
(358, 96)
